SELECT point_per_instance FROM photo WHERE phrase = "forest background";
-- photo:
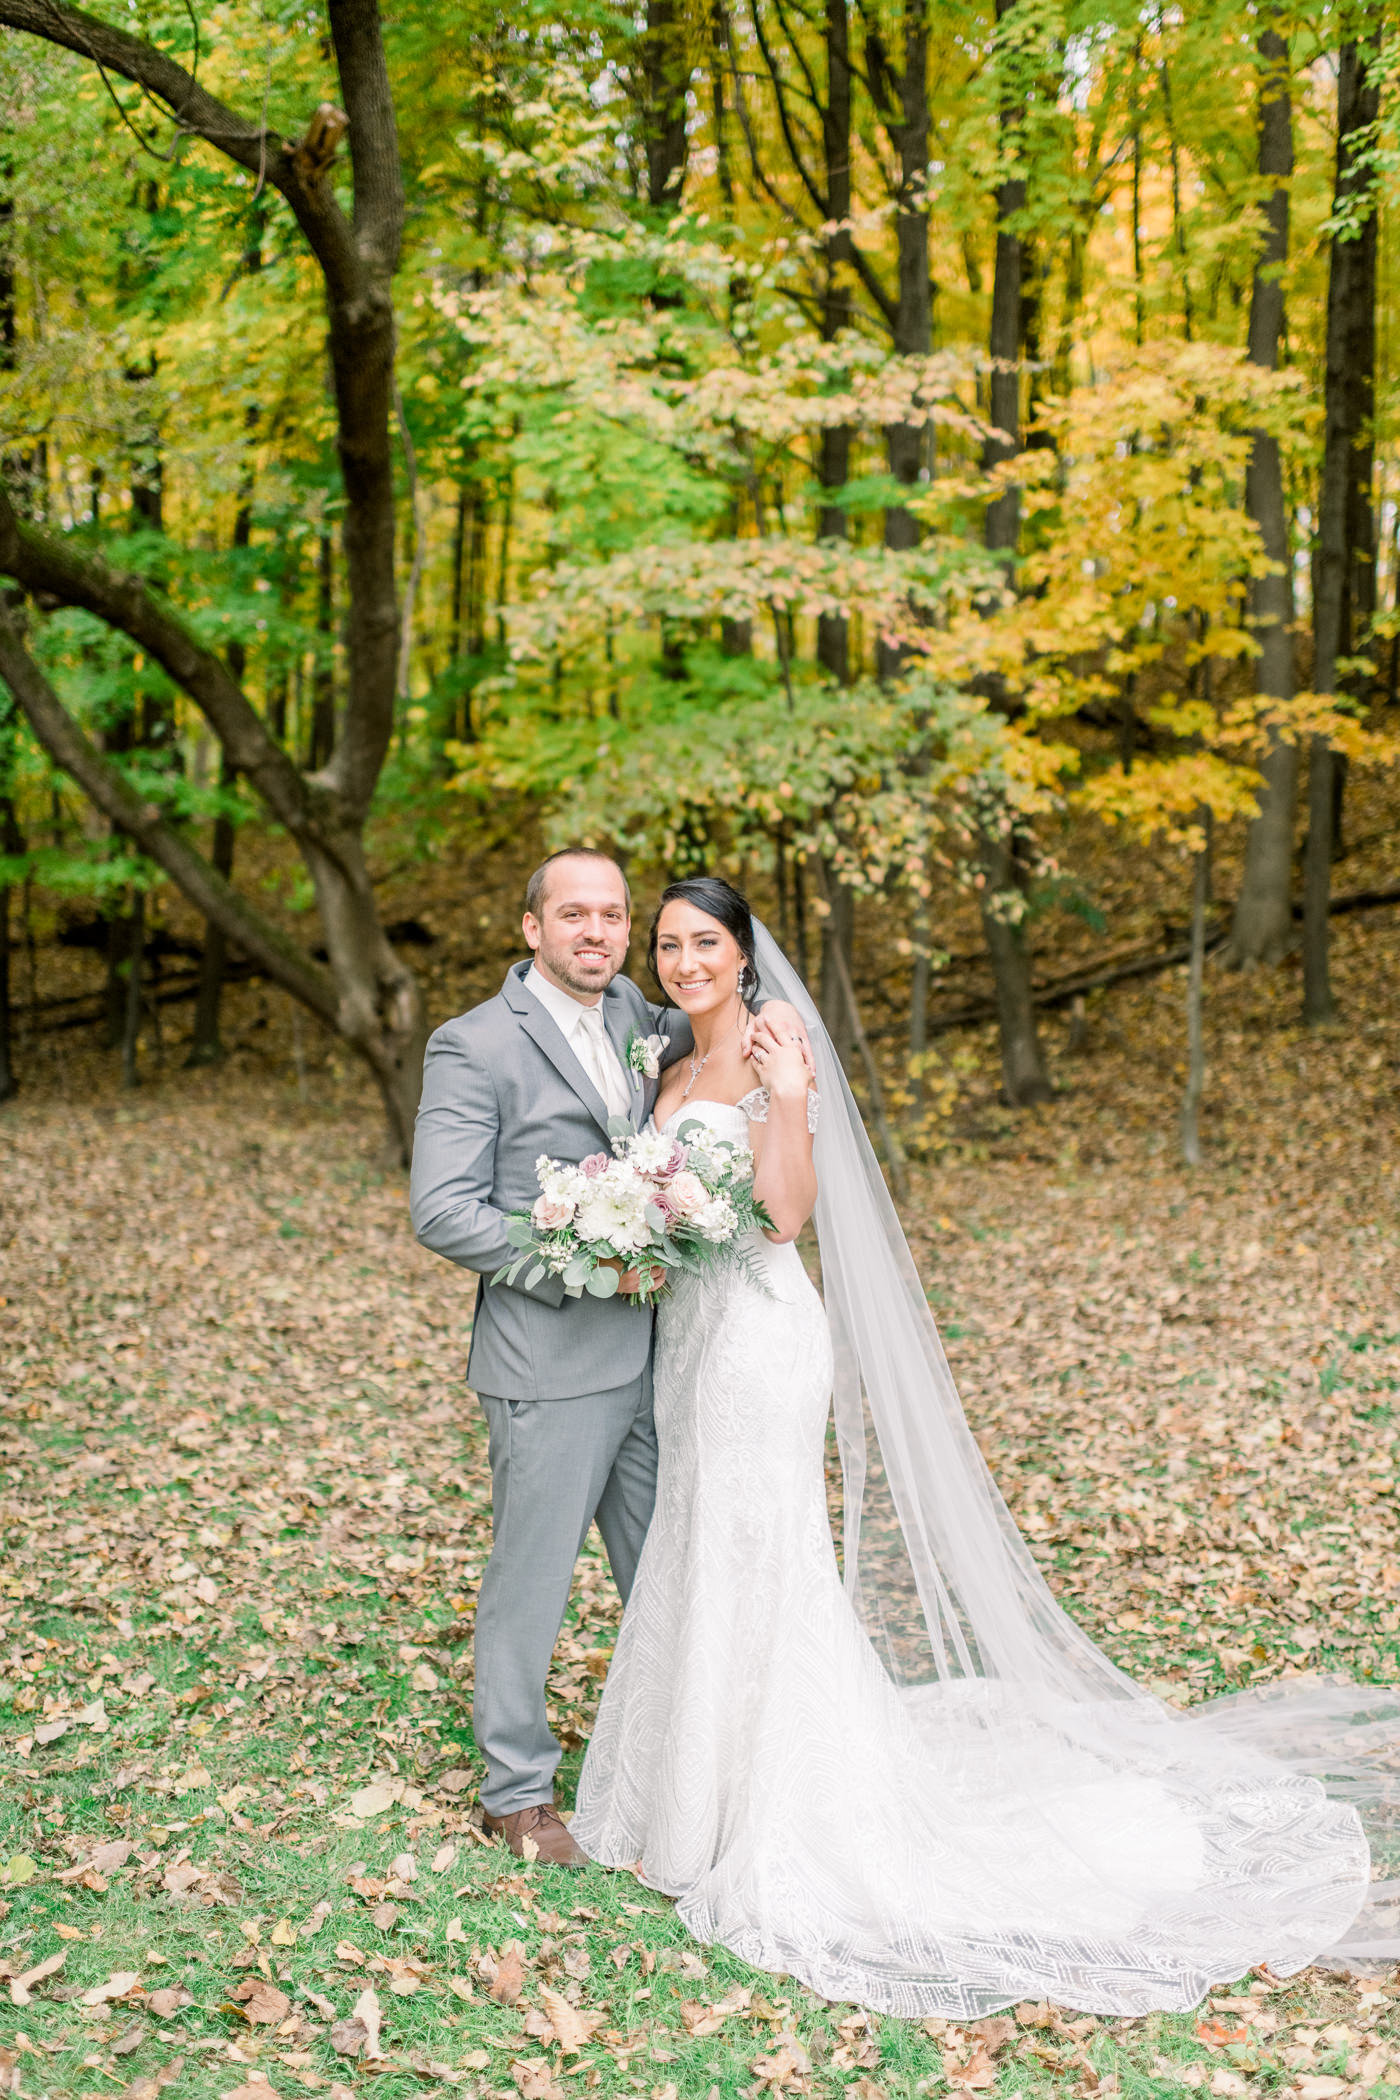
(936, 464)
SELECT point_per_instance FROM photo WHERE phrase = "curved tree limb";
(53, 568)
(68, 746)
(204, 116)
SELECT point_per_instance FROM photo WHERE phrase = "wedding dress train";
(949, 1819)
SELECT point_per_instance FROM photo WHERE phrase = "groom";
(564, 1383)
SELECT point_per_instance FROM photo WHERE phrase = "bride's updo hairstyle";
(719, 900)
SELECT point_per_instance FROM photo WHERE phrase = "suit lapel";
(619, 1027)
(542, 1029)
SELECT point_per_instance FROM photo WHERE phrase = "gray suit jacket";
(501, 1086)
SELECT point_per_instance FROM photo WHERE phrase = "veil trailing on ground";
(1255, 1797)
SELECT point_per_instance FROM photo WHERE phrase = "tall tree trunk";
(906, 443)
(1005, 335)
(838, 930)
(1001, 844)
(834, 462)
(1346, 466)
(833, 637)
(322, 742)
(665, 80)
(1003, 927)
(1263, 924)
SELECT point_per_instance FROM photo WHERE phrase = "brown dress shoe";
(547, 1830)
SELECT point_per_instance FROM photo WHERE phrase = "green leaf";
(603, 1283)
(18, 1869)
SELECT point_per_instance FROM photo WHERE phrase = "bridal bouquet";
(674, 1203)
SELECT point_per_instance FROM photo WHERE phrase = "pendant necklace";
(697, 1066)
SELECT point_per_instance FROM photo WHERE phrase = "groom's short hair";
(537, 888)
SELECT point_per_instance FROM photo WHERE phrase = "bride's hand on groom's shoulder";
(774, 1033)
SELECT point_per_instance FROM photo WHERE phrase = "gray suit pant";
(555, 1466)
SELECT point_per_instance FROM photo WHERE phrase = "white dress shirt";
(583, 1029)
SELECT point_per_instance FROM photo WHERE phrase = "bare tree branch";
(70, 748)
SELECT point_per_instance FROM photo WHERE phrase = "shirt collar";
(563, 1009)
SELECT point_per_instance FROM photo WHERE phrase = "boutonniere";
(644, 1054)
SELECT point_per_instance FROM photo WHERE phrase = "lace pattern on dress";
(755, 1106)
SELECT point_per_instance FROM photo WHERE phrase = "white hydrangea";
(717, 1220)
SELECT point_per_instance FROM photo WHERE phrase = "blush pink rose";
(596, 1163)
(686, 1194)
(549, 1213)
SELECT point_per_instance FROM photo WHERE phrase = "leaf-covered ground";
(243, 1516)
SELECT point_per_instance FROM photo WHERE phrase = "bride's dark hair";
(719, 900)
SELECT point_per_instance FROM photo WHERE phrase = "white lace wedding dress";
(940, 1848)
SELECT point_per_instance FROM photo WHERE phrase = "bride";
(911, 1780)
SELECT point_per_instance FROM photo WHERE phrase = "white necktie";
(600, 1061)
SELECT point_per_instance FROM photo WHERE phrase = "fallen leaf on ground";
(260, 2002)
(975, 2075)
(283, 1934)
(509, 1979)
(116, 1986)
(444, 1857)
(573, 2030)
(455, 1932)
(535, 2079)
(347, 2037)
(461, 1986)
(374, 1800)
(788, 2061)
(128, 2043)
(104, 1860)
(21, 1987)
(167, 2001)
(366, 2010)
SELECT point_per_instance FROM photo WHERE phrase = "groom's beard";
(562, 965)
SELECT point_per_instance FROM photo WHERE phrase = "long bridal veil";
(1260, 1825)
